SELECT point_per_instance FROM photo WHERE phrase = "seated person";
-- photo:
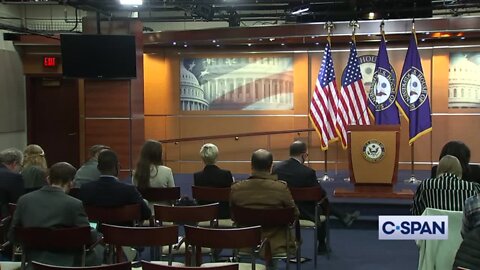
(461, 151)
(34, 171)
(11, 181)
(263, 190)
(108, 191)
(447, 191)
(51, 207)
(150, 171)
(89, 171)
(296, 174)
(213, 176)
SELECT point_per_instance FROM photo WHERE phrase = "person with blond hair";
(447, 191)
(35, 167)
(213, 176)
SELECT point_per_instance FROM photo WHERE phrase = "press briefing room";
(239, 134)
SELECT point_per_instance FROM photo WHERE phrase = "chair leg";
(315, 240)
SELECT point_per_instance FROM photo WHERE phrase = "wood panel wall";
(165, 120)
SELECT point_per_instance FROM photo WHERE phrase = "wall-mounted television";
(98, 56)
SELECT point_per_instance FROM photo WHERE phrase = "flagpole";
(354, 25)
(413, 179)
(328, 25)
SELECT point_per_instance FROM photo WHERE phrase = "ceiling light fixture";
(300, 9)
(371, 15)
(131, 2)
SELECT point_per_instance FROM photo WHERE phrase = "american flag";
(352, 107)
(323, 106)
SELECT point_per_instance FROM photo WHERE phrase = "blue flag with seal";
(383, 92)
(413, 98)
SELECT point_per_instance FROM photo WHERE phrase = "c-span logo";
(373, 150)
(413, 88)
(413, 227)
(382, 92)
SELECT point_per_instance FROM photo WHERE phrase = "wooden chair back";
(113, 215)
(231, 238)
(152, 237)
(61, 239)
(140, 236)
(119, 266)
(266, 217)
(186, 214)
(53, 239)
(160, 194)
(305, 194)
(213, 194)
(154, 266)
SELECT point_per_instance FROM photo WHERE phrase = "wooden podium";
(373, 158)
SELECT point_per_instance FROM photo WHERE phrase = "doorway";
(53, 117)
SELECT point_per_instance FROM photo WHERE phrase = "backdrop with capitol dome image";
(238, 83)
(464, 80)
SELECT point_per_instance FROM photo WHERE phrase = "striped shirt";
(447, 192)
(471, 214)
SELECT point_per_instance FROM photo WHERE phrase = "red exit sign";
(49, 61)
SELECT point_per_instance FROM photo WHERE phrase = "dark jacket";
(468, 255)
(109, 192)
(213, 176)
(472, 175)
(11, 188)
(298, 175)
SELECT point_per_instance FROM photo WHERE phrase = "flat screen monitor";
(98, 56)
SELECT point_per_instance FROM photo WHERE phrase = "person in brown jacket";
(263, 190)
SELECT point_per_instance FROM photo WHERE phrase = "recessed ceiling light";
(427, 33)
(371, 15)
(214, 41)
(316, 43)
(249, 44)
(283, 44)
(271, 39)
(131, 2)
(422, 39)
(185, 45)
(218, 45)
(174, 43)
(462, 38)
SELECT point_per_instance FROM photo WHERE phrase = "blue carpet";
(357, 247)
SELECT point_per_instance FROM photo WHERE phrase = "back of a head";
(108, 163)
(297, 148)
(10, 156)
(209, 153)
(449, 164)
(61, 173)
(459, 150)
(262, 160)
(151, 153)
(96, 149)
(34, 156)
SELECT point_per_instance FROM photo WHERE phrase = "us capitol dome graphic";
(464, 84)
(236, 83)
(193, 96)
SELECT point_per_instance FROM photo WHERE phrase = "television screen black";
(98, 56)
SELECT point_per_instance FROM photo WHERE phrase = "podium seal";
(373, 151)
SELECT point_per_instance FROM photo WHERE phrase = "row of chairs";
(128, 266)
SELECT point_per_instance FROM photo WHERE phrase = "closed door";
(53, 117)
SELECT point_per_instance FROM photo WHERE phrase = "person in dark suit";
(461, 151)
(213, 176)
(295, 174)
(51, 207)
(108, 191)
(11, 181)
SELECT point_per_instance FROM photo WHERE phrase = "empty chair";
(167, 194)
(119, 266)
(36, 241)
(269, 218)
(152, 237)
(214, 194)
(182, 215)
(154, 266)
(225, 238)
(313, 194)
